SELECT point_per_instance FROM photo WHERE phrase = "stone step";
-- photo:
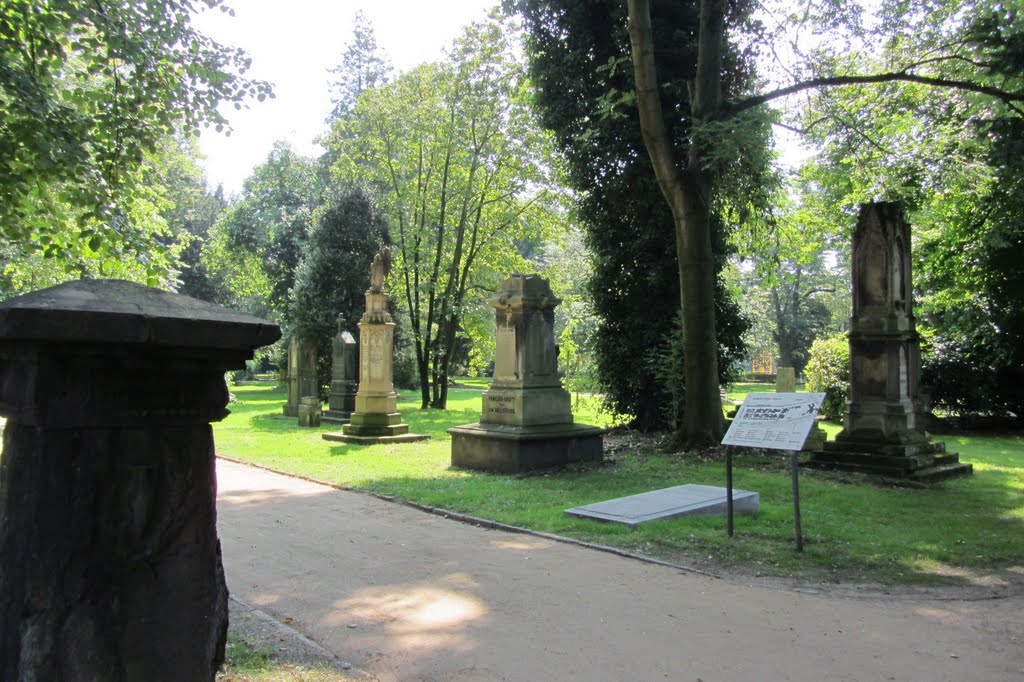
(919, 467)
(943, 471)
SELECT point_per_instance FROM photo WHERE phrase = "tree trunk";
(689, 196)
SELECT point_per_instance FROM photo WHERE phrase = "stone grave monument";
(376, 418)
(785, 380)
(883, 429)
(341, 402)
(110, 566)
(302, 380)
(526, 422)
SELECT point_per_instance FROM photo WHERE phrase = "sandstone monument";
(302, 380)
(883, 430)
(110, 565)
(526, 421)
(341, 402)
(376, 418)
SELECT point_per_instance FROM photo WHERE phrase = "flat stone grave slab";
(669, 503)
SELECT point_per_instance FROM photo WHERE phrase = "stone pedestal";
(785, 380)
(526, 418)
(110, 565)
(344, 378)
(883, 429)
(302, 378)
(376, 418)
(309, 411)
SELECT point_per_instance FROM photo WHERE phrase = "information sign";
(780, 421)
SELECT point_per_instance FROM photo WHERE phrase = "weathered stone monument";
(376, 418)
(110, 565)
(526, 422)
(310, 412)
(883, 430)
(302, 379)
(785, 380)
(344, 377)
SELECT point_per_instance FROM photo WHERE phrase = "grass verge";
(959, 532)
(245, 662)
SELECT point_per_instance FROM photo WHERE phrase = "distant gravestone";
(309, 411)
(110, 565)
(302, 379)
(376, 418)
(785, 380)
(526, 419)
(344, 377)
(883, 429)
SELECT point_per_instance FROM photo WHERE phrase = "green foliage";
(462, 172)
(256, 246)
(579, 59)
(362, 67)
(334, 273)
(954, 159)
(87, 91)
(828, 372)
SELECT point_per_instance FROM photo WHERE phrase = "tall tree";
(332, 276)
(463, 172)
(86, 90)
(363, 66)
(579, 60)
(689, 184)
(258, 243)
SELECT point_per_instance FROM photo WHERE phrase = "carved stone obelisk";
(376, 418)
(883, 429)
(526, 422)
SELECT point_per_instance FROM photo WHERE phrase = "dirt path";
(408, 596)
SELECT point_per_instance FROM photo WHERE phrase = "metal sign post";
(776, 421)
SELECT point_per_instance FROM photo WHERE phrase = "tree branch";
(898, 76)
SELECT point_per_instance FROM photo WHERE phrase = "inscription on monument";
(505, 353)
(501, 404)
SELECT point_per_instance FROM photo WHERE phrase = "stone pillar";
(302, 377)
(344, 377)
(526, 418)
(110, 565)
(376, 418)
(883, 429)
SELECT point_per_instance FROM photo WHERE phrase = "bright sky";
(293, 44)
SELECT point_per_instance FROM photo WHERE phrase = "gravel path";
(404, 595)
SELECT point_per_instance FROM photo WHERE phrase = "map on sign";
(779, 421)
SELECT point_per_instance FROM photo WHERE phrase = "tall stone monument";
(110, 566)
(883, 429)
(344, 377)
(376, 418)
(526, 422)
(302, 378)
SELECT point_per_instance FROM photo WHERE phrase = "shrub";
(828, 372)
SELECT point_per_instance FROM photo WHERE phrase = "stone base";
(290, 410)
(375, 427)
(516, 449)
(336, 417)
(370, 440)
(922, 462)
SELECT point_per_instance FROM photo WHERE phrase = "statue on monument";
(379, 270)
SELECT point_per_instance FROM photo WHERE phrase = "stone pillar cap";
(525, 290)
(126, 313)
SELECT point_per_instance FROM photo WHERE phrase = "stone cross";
(110, 565)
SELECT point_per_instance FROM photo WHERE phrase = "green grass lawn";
(855, 530)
